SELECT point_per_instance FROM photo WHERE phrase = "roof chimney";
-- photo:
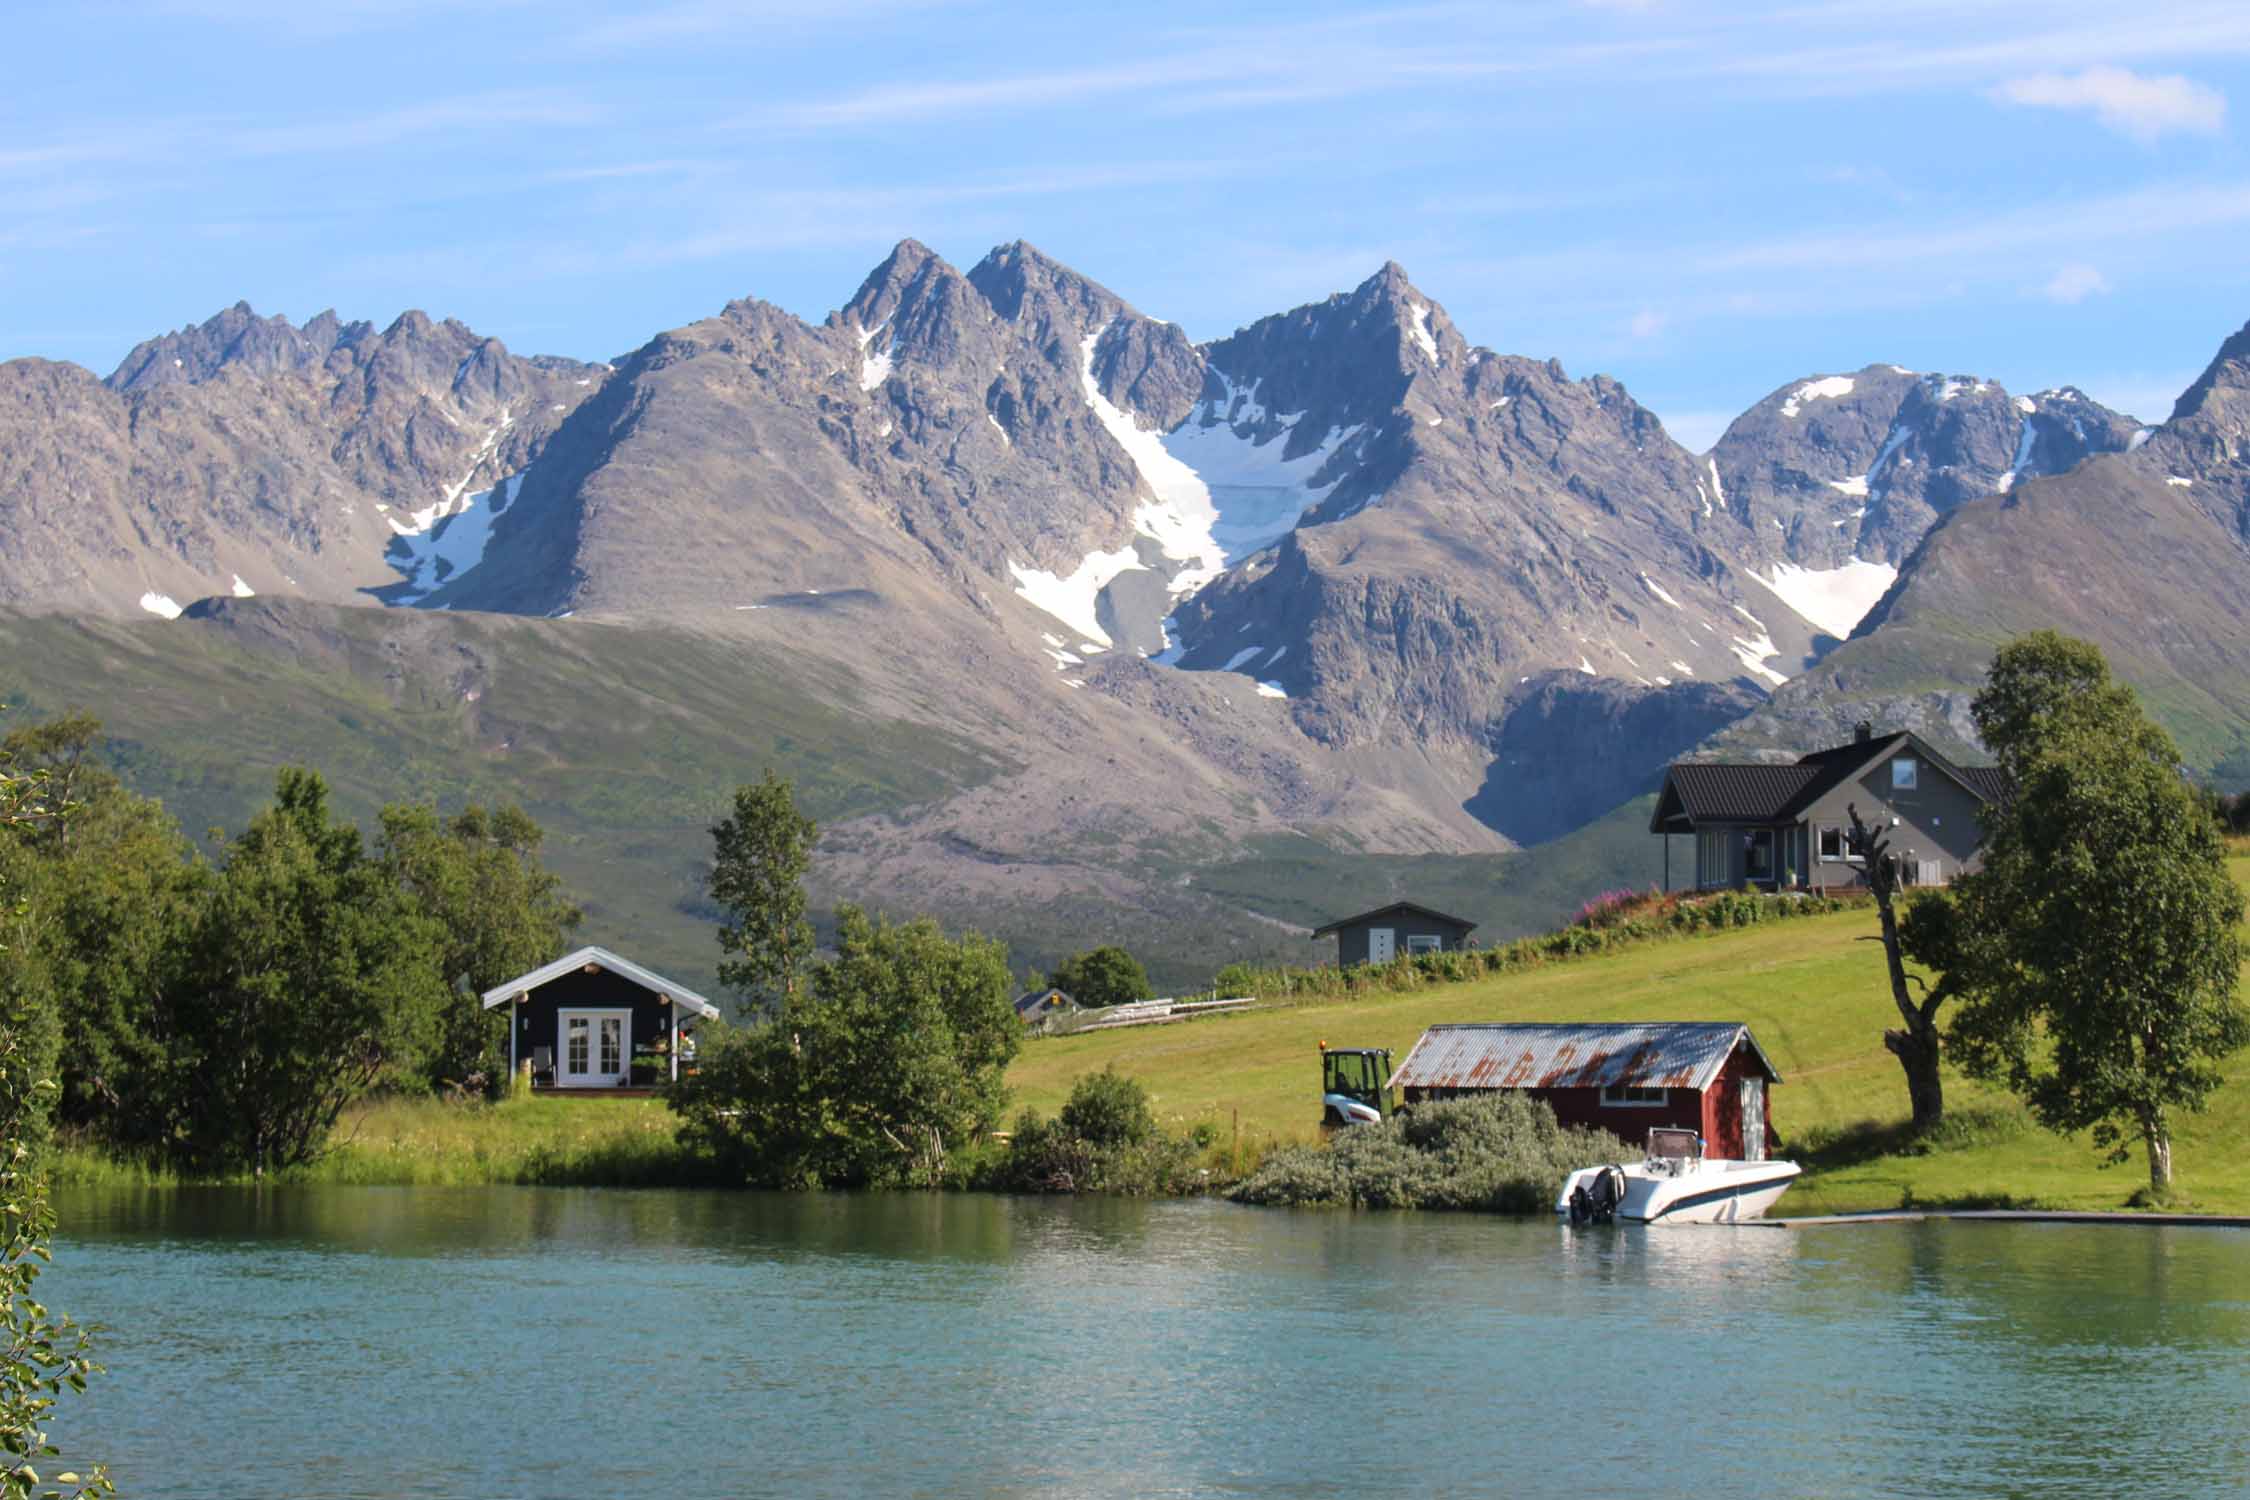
(1862, 732)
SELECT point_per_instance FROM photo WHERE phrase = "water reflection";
(550, 1342)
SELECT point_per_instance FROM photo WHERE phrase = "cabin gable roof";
(624, 968)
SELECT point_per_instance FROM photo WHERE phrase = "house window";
(1711, 864)
(1632, 1096)
(1905, 772)
(1423, 942)
(1832, 843)
(1757, 854)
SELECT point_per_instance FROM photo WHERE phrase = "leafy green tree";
(883, 1060)
(311, 978)
(1102, 976)
(41, 1353)
(763, 849)
(499, 912)
(2095, 951)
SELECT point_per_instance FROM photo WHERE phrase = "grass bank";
(428, 1142)
(1812, 988)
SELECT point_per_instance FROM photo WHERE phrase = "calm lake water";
(537, 1342)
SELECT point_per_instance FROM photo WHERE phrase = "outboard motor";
(1595, 1200)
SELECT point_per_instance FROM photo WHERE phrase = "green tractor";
(1354, 1086)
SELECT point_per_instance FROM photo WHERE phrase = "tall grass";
(400, 1142)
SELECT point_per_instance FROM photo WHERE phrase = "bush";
(1502, 1153)
(1108, 1109)
(1104, 1141)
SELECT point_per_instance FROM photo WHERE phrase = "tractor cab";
(1354, 1085)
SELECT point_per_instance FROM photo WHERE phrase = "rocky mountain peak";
(2222, 383)
(234, 336)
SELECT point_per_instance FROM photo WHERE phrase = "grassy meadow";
(1812, 989)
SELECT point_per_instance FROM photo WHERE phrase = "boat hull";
(1711, 1192)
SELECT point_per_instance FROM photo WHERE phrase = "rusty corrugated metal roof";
(1551, 1055)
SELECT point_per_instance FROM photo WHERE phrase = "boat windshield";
(1683, 1145)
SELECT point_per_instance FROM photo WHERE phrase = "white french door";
(1382, 944)
(597, 1048)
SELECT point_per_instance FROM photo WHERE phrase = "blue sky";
(1702, 199)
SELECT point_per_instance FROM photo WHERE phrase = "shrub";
(1501, 1153)
(1104, 1141)
(1108, 1109)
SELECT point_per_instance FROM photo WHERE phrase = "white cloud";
(2075, 283)
(1648, 323)
(2140, 106)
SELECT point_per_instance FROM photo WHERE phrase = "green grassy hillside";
(1813, 991)
(626, 742)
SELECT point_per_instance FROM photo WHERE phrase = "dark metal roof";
(1714, 792)
(1551, 1055)
(1032, 998)
(1463, 923)
(1701, 791)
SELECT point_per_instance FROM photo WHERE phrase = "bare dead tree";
(1915, 1043)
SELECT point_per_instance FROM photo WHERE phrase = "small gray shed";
(1378, 936)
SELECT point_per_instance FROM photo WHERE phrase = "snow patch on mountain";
(1257, 495)
(1070, 598)
(242, 590)
(1815, 390)
(874, 369)
(1856, 485)
(1832, 599)
(1422, 335)
(160, 604)
(1181, 518)
(1752, 653)
(441, 547)
(1272, 690)
(1651, 585)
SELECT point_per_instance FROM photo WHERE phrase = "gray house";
(1779, 826)
(1378, 936)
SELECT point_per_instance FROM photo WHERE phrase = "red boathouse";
(1707, 1076)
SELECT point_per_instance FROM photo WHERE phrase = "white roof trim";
(625, 967)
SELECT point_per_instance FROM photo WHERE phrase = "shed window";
(1424, 942)
(1632, 1096)
(1905, 772)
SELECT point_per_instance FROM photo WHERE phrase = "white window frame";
(594, 1015)
(1424, 942)
(1619, 1096)
(1912, 780)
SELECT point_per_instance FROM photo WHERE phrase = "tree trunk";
(1917, 1052)
(1916, 1046)
(2159, 1141)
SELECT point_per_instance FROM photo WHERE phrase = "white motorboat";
(1675, 1184)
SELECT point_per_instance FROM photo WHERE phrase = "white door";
(596, 1046)
(1382, 944)
(1753, 1119)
